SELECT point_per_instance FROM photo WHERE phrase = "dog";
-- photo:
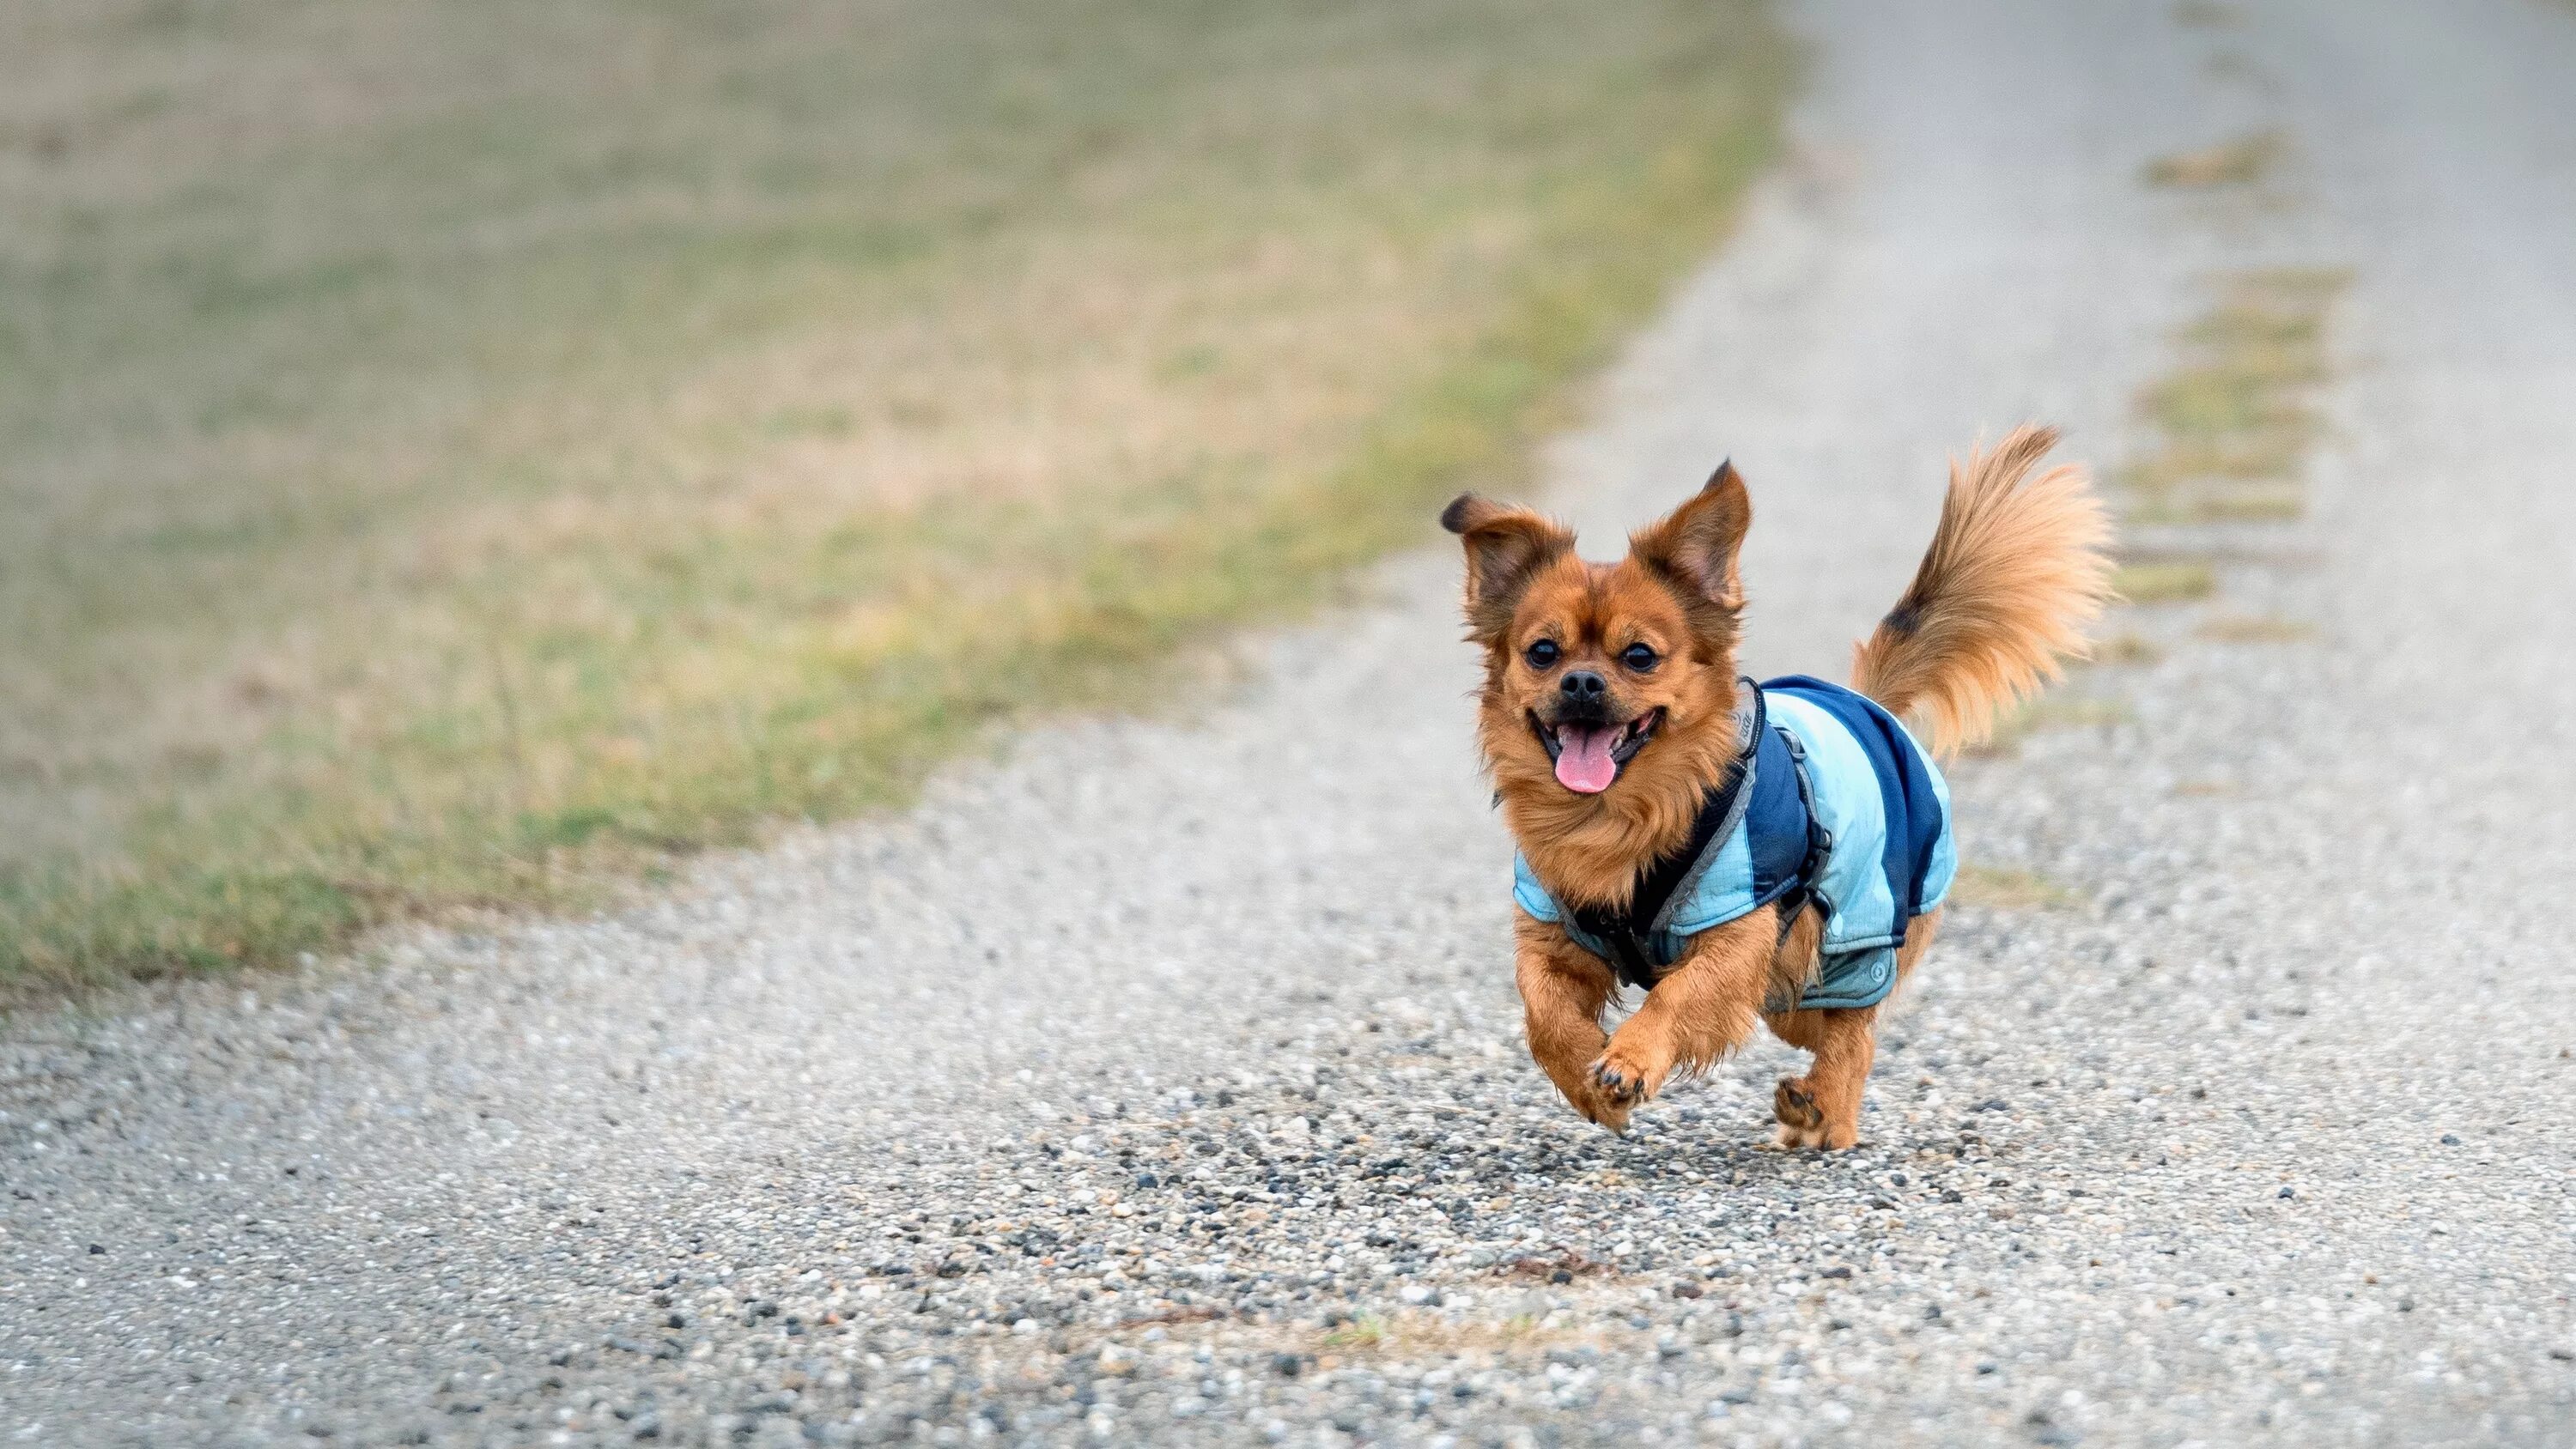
(1777, 853)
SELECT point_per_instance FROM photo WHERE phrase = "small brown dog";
(1669, 840)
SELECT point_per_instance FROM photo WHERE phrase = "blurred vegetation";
(467, 452)
(2240, 162)
(2164, 581)
(2233, 425)
(2256, 629)
(1998, 889)
(2046, 713)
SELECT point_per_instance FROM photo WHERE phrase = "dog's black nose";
(1582, 686)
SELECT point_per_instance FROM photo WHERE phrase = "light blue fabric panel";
(1847, 803)
(1858, 968)
(1723, 892)
(1945, 847)
(1529, 894)
(1847, 982)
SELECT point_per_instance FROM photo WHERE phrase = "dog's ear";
(1694, 547)
(1506, 547)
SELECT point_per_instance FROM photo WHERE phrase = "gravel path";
(1160, 1082)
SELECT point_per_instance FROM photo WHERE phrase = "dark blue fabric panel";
(1775, 819)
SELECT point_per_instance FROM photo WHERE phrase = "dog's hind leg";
(1822, 1108)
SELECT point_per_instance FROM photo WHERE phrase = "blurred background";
(460, 452)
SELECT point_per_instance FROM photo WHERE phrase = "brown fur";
(1523, 581)
(2012, 574)
(1822, 1108)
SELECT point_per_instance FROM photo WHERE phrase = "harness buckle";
(1629, 961)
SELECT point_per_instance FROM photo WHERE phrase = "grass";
(2129, 650)
(1363, 1331)
(463, 454)
(2256, 629)
(2164, 581)
(2234, 423)
(2244, 504)
(2051, 712)
(2239, 162)
(1410, 1332)
(1994, 888)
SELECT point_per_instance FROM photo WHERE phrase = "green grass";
(1362, 1331)
(464, 454)
(2234, 424)
(2283, 503)
(2164, 581)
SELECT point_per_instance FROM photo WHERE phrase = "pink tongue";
(1583, 762)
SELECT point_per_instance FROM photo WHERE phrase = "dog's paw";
(1621, 1082)
(1803, 1126)
(1786, 1138)
(1589, 1104)
(1609, 1114)
(1795, 1106)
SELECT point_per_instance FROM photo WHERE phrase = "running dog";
(1773, 853)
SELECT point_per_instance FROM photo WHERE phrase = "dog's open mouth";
(1589, 756)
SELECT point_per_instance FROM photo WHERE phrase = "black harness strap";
(1627, 932)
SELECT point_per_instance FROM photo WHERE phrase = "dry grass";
(2051, 712)
(2165, 581)
(1408, 1333)
(2234, 424)
(2240, 162)
(464, 455)
(2256, 629)
(2258, 504)
(2009, 890)
(2127, 650)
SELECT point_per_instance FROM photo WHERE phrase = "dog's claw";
(1802, 1122)
(1795, 1106)
(1617, 1087)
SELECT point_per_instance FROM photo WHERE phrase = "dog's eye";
(1638, 657)
(1542, 654)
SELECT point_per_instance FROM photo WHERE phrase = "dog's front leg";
(1705, 1006)
(1563, 990)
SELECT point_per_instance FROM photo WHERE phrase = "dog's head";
(1605, 682)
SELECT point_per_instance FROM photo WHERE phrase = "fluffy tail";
(2014, 573)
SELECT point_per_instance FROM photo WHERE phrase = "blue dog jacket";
(1829, 801)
